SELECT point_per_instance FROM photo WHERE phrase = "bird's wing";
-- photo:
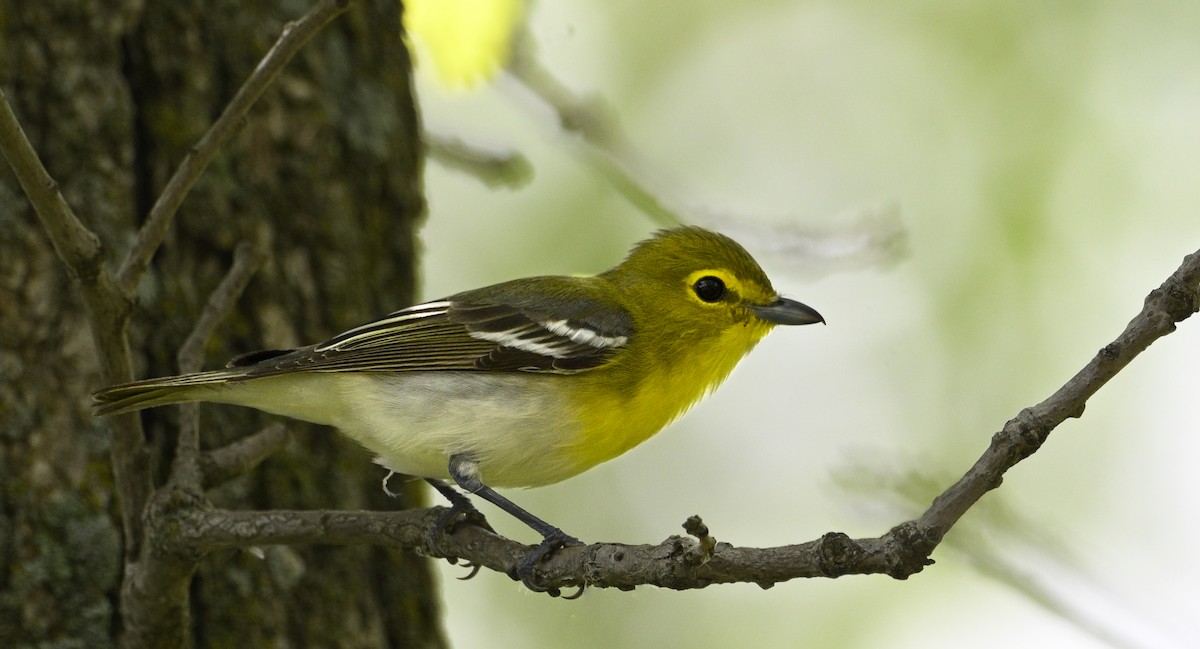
(556, 325)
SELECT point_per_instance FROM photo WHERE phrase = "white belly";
(415, 421)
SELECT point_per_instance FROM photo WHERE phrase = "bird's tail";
(159, 392)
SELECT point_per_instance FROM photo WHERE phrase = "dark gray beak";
(787, 312)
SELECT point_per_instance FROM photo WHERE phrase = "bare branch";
(867, 236)
(154, 587)
(223, 464)
(685, 563)
(678, 562)
(158, 223)
(204, 531)
(196, 531)
(108, 309)
(1176, 300)
(610, 153)
(494, 168)
(246, 260)
(76, 245)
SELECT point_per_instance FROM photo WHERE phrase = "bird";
(523, 383)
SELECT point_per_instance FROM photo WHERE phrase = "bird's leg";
(461, 510)
(466, 474)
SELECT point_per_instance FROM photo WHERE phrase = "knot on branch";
(908, 548)
(1178, 300)
(1110, 352)
(838, 554)
(1022, 435)
(1178, 297)
(703, 551)
(167, 514)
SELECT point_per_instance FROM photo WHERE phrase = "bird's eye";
(709, 288)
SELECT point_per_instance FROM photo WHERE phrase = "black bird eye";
(709, 288)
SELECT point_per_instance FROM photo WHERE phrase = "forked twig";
(246, 259)
(158, 222)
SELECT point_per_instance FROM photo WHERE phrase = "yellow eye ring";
(712, 286)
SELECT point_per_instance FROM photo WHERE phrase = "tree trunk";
(325, 176)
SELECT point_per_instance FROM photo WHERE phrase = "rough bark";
(324, 177)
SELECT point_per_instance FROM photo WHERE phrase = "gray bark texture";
(324, 177)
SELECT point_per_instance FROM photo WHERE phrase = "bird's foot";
(460, 512)
(549, 545)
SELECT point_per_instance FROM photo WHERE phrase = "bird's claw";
(474, 570)
(548, 546)
(460, 512)
(389, 492)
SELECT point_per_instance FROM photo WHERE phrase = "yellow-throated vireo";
(517, 384)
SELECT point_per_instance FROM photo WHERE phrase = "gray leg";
(466, 474)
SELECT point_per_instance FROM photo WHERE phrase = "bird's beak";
(787, 312)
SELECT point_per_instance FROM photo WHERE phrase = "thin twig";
(1177, 299)
(108, 311)
(900, 553)
(866, 236)
(228, 462)
(247, 257)
(1050, 592)
(246, 260)
(158, 222)
(75, 244)
(494, 168)
(154, 587)
(608, 153)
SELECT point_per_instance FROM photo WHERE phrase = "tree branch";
(686, 563)
(1176, 300)
(158, 223)
(76, 245)
(865, 236)
(223, 464)
(494, 168)
(108, 309)
(246, 260)
(609, 152)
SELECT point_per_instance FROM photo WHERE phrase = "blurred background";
(977, 196)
